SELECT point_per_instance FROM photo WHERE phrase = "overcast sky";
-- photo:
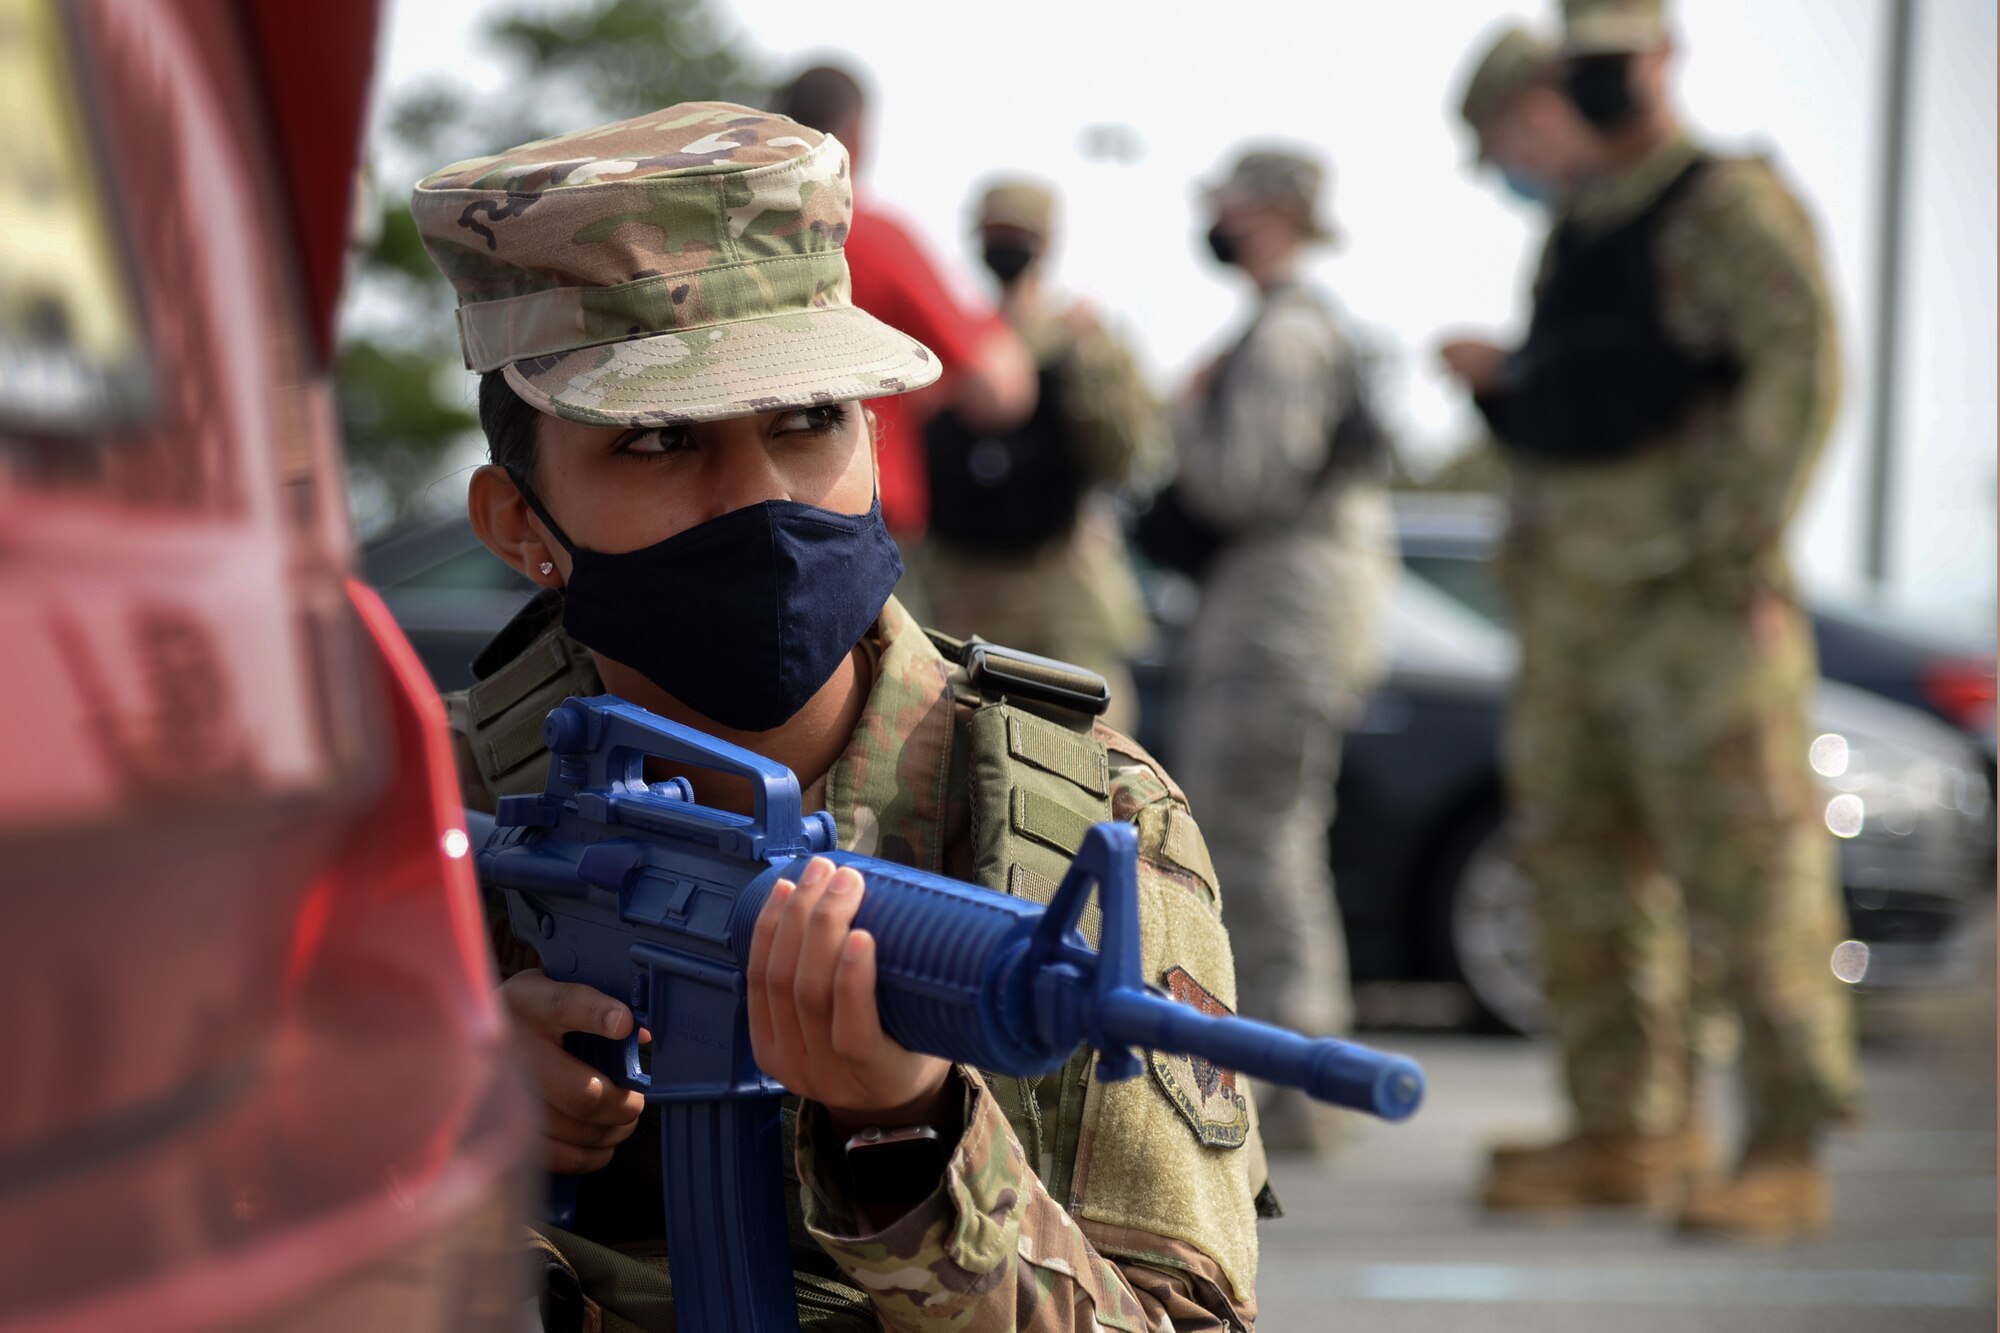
(965, 91)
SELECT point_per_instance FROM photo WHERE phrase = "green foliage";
(398, 249)
(391, 399)
(403, 399)
(629, 56)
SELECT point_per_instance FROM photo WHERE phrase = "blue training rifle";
(632, 888)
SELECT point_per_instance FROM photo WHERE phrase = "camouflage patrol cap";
(1287, 180)
(1602, 27)
(1022, 204)
(1516, 60)
(685, 265)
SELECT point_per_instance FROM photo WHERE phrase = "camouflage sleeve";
(1118, 426)
(989, 1250)
(1744, 261)
(1250, 449)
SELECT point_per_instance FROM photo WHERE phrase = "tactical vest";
(1601, 375)
(1037, 779)
(1005, 492)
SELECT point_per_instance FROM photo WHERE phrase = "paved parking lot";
(1386, 1238)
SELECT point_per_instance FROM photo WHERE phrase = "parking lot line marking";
(1523, 1284)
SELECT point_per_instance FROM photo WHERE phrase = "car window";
(1468, 581)
(1948, 628)
(1431, 631)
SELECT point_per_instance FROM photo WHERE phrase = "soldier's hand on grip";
(584, 1114)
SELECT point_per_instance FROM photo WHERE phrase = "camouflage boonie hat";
(1515, 61)
(1288, 180)
(685, 265)
(1604, 27)
(1024, 205)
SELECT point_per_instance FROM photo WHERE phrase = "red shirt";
(896, 281)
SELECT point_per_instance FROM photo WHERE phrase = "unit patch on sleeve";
(1206, 1093)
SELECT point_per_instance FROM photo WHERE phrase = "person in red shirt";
(989, 377)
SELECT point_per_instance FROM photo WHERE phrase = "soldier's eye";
(824, 419)
(655, 442)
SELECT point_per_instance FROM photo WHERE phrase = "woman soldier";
(671, 386)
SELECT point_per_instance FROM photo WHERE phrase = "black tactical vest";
(1600, 375)
(1005, 493)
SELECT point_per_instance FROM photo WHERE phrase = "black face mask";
(742, 618)
(1600, 87)
(1222, 244)
(1008, 262)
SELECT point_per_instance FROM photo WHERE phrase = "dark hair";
(509, 423)
(825, 97)
(1600, 87)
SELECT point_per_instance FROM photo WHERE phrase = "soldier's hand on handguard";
(1474, 361)
(584, 1114)
(813, 1021)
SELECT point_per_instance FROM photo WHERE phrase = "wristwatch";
(899, 1166)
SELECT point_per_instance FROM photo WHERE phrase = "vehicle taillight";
(1962, 688)
(418, 844)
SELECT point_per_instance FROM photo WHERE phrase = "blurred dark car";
(256, 1076)
(1419, 850)
(448, 592)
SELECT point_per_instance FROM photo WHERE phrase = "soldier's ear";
(506, 526)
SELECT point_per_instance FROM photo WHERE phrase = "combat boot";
(1777, 1194)
(1697, 1150)
(1587, 1170)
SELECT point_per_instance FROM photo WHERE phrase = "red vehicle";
(252, 1072)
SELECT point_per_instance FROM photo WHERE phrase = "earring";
(547, 567)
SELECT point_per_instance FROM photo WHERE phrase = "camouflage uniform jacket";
(1069, 1203)
(1740, 274)
(1294, 599)
(1074, 597)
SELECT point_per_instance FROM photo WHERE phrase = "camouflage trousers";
(593, 1288)
(1259, 772)
(1656, 765)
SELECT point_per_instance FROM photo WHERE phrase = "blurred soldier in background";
(989, 377)
(1024, 549)
(1275, 459)
(1661, 422)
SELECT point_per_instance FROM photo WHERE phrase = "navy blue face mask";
(1527, 188)
(742, 618)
